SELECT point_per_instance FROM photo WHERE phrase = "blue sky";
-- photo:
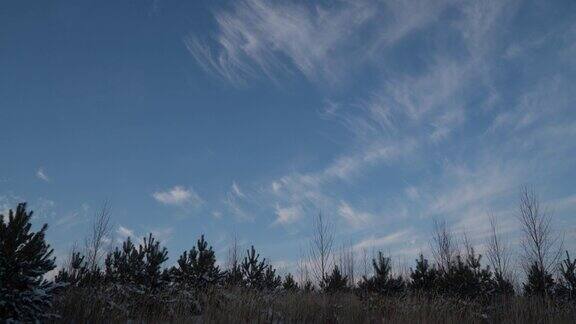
(251, 116)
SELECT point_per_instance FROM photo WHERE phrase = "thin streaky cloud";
(42, 175)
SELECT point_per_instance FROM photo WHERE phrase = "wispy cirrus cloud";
(465, 144)
(42, 175)
(258, 38)
(397, 237)
(354, 217)
(287, 215)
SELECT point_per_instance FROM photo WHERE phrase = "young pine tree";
(383, 282)
(271, 280)
(423, 278)
(233, 276)
(24, 259)
(197, 268)
(126, 265)
(253, 270)
(289, 283)
(75, 273)
(154, 256)
(539, 282)
(308, 286)
(335, 281)
(140, 267)
(567, 285)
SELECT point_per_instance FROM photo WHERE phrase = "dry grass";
(238, 306)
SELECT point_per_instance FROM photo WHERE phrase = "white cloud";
(178, 195)
(124, 232)
(217, 215)
(412, 193)
(236, 190)
(402, 236)
(254, 37)
(42, 175)
(163, 234)
(353, 218)
(287, 215)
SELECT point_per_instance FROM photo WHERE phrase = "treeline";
(135, 272)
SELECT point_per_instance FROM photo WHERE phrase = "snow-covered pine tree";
(197, 268)
(24, 259)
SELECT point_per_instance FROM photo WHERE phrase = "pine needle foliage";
(25, 258)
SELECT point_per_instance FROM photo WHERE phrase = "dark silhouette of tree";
(75, 273)
(424, 277)
(24, 259)
(335, 281)
(100, 228)
(233, 276)
(124, 265)
(289, 283)
(308, 286)
(539, 282)
(465, 278)
(197, 268)
(567, 284)
(140, 266)
(383, 282)
(320, 251)
(253, 269)
(154, 256)
(271, 280)
(541, 246)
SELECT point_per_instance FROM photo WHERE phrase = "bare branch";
(443, 245)
(100, 231)
(320, 250)
(498, 251)
(539, 243)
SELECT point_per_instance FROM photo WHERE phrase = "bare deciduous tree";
(539, 244)
(233, 254)
(99, 231)
(347, 262)
(320, 250)
(443, 245)
(303, 272)
(365, 262)
(498, 251)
